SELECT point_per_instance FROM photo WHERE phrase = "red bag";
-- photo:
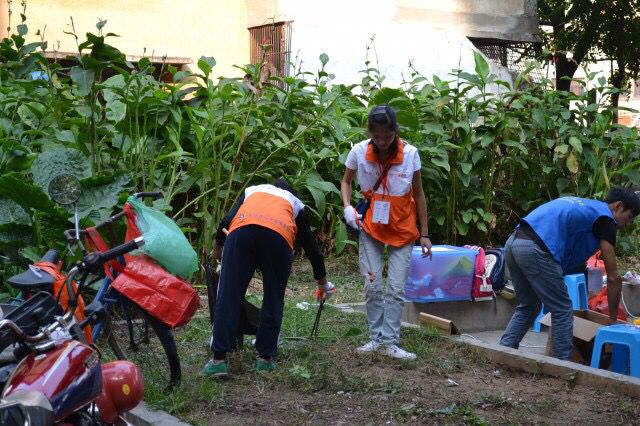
(163, 295)
(599, 303)
(482, 288)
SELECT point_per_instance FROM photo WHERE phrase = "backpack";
(495, 267)
(481, 288)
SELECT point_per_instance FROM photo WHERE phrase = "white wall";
(344, 35)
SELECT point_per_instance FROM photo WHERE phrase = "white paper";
(381, 212)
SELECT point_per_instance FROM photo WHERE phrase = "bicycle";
(130, 331)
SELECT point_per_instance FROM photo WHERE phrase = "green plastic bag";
(163, 240)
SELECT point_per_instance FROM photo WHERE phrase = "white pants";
(384, 309)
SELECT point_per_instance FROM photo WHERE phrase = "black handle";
(155, 195)
(122, 249)
(94, 261)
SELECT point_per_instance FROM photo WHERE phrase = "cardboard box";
(585, 325)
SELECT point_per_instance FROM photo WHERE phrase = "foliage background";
(488, 156)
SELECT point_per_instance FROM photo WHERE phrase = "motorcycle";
(53, 374)
(61, 379)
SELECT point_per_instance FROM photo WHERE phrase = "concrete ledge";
(142, 415)
(570, 371)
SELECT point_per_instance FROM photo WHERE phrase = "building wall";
(344, 29)
(182, 29)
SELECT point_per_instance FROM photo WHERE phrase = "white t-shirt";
(399, 176)
(278, 192)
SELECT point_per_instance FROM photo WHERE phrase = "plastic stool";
(627, 337)
(577, 289)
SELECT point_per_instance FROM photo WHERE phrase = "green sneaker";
(215, 368)
(265, 365)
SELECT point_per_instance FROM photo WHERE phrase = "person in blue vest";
(554, 240)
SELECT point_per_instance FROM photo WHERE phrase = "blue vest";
(566, 227)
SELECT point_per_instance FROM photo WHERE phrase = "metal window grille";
(278, 35)
(512, 55)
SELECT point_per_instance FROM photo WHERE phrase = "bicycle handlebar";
(70, 234)
(153, 194)
(121, 249)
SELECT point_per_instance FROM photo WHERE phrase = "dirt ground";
(481, 395)
(324, 381)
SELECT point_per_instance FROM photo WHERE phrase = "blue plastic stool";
(577, 289)
(626, 349)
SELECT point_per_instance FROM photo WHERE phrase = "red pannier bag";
(163, 295)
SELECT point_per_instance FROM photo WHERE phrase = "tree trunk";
(564, 68)
(619, 78)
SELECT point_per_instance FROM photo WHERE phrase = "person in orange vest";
(263, 227)
(388, 171)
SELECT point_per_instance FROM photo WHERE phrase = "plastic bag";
(163, 240)
(164, 296)
(600, 303)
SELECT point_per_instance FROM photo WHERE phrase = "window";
(511, 55)
(278, 35)
(160, 64)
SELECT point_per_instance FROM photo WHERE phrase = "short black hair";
(628, 197)
(382, 115)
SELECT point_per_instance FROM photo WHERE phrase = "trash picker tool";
(314, 330)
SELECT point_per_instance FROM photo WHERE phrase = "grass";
(304, 365)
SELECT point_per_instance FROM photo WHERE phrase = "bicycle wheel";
(135, 335)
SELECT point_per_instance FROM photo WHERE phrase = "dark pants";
(247, 248)
(537, 278)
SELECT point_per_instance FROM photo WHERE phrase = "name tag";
(381, 212)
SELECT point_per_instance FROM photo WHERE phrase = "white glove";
(325, 291)
(352, 217)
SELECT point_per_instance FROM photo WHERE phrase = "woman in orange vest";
(263, 227)
(388, 171)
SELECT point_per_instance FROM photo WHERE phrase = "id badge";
(381, 212)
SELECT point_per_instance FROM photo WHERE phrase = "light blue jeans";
(537, 278)
(384, 309)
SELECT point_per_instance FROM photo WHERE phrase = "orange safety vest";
(270, 207)
(401, 229)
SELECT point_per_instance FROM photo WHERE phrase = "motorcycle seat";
(33, 279)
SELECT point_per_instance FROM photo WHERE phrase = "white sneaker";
(370, 346)
(394, 351)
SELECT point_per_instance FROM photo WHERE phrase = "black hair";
(282, 183)
(382, 115)
(628, 197)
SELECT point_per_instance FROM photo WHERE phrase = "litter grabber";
(321, 294)
(314, 329)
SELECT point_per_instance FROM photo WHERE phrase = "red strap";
(94, 242)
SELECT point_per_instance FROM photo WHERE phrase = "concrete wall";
(344, 29)
(183, 29)
(511, 20)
